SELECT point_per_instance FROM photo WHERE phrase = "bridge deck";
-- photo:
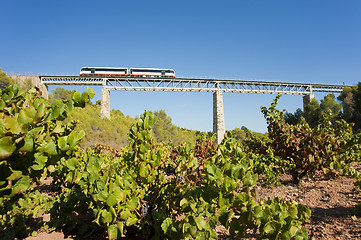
(192, 85)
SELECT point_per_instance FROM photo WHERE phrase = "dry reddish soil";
(332, 202)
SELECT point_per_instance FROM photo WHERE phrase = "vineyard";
(151, 190)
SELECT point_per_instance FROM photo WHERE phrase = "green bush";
(328, 147)
(139, 191)
(33, 140)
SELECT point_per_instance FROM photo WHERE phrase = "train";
(127, 72)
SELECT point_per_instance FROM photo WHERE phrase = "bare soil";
(333, 203)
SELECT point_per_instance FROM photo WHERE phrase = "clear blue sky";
(289, 41)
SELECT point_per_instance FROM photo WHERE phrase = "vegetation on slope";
(5, 80)
(114, 131)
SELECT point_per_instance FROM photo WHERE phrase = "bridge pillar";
(218, 117)
(105, 104)
(307, 99)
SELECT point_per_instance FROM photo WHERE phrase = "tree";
(329, 104)
(5, 80)
(357, 97)
(239, 134)
(293, 118)
(163, 128)
(245, 129)
(61, 94)
(111, 132)
(351, 103)
(165, 131)
(347, 102)
(312, 113)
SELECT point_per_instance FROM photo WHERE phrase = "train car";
(90, 71)
(132, 72)
(151, 72)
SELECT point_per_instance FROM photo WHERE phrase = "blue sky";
(304, 41)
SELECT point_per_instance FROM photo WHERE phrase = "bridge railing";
(192, 85)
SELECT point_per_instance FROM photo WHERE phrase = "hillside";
(114, 131)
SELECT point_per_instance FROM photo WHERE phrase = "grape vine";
(145, 189)
(33, 141)
(327, 147)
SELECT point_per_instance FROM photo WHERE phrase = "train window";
(145, 70)
(154, 71)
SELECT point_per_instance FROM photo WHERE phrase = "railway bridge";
(216, 86)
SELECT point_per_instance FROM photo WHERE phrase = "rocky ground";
(332, 201)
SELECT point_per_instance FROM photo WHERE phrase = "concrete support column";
(105, 104)
(218, 117)
(307, 99)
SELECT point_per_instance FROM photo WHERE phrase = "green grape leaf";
(49, 148)
(24, 117)
(258, 211)
(271, 227)
(6, 147)
(62, 143)
(144, 170)
(76, 96)
(21, 185)
(111, 200)
(58, 128)
(28, 143)
(165, 224)
(107, 216)
(125, 214)
(120, 226)
(13, 125)
(201, 224)
(2, 104)
(71, 163)
(41, 110)
(113, 231)
(15, 175)
(51, 168)
(183, 202)
(250, 179)
(131, 221)
(40, 161)
(90, 92)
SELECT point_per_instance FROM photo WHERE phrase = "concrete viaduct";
(216, 86)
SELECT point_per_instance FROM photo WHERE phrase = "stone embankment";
(31, 80)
